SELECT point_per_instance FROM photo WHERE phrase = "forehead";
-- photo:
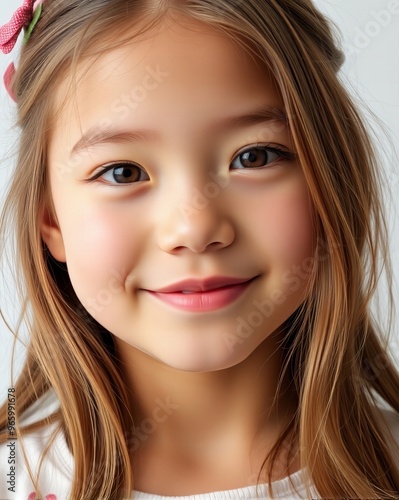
(180, 74)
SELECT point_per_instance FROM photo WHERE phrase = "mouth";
(203, 285)
(203, 296)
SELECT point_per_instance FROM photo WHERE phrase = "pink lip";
(208, 295)
(193, 285)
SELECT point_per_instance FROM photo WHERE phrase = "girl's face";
(164, 167)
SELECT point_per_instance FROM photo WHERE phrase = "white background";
(370, 39)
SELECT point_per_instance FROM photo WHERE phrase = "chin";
(206, 362)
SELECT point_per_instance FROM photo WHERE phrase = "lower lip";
(203, 301)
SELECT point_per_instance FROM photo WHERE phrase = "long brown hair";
(337, 356)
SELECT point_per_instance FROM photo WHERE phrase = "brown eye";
(126, 173)
(259, 157)
(122, 173)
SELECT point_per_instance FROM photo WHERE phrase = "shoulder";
(55, 474)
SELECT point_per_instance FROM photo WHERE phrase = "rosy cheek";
(287, 226)
(295, 228)
(97, 246)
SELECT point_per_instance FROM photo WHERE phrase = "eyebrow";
(97, 135)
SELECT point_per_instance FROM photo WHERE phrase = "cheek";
(101, 247)
(291, 230)
(284, 226)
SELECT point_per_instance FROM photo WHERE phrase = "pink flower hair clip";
(26, 17)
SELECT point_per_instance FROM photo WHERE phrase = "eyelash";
(283, 155)
(114, 166)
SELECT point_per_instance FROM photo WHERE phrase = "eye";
(257, 157)
(121, 172)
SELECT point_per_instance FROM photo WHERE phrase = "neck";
(198, 410)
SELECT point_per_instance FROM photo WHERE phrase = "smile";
(203, 301)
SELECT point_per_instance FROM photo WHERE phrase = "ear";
(51, 234)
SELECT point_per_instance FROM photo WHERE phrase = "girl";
(200, 232)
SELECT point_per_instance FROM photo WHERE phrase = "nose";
(197, 227)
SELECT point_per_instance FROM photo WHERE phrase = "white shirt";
(56, 473)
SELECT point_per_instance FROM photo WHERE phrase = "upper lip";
(202, 285)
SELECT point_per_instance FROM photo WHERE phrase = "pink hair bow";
(10, 31)
(24, 17)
